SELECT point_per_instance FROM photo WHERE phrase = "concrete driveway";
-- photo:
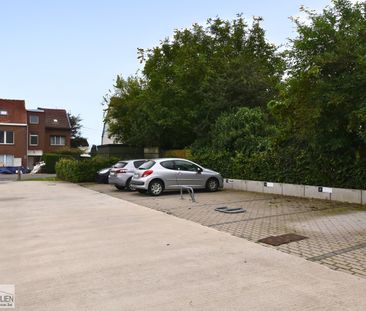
(13, 177)
(70, 248)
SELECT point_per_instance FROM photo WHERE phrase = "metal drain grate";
(282, 239)
(227, 210)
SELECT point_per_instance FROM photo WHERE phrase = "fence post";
(19, 178)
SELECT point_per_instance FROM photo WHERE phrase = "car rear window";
(137, 164)
(147, 165)
(120, 164)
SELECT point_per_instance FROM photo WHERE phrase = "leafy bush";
(245, 130)
(52, 158)
(244, 145)
(82, 170)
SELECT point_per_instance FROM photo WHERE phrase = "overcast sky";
(66, 54)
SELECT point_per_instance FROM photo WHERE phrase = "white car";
(158, 175)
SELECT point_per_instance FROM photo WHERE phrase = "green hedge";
(82, 170)
(288, 165)
(51, 159)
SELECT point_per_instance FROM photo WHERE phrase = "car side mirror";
(199, 170)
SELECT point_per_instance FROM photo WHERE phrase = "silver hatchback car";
(158, 175)
(121, 173)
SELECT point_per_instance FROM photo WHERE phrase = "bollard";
(19, 175)
(190, 192)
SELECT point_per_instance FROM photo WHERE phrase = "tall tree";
(322, 113)
(128, 122)
(76, 139)
(325, 100)
(190, 79)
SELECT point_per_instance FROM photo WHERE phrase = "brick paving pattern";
(336, 231)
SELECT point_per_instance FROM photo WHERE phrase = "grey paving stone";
(336, 231)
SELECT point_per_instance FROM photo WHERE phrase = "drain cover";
(227, 210)
(282, 239)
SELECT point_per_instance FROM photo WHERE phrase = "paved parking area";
(65, 247)
(336, 232)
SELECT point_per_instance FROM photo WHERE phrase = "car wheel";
(155, 187)
(128, 186)
(119, 187)
(212, 185)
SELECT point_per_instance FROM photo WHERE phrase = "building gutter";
(13, 124)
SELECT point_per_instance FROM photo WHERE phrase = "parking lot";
(335, 232)
(66, 247)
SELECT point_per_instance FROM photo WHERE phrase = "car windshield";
(147, 165)
(120, 164)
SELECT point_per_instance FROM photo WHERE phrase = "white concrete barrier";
(363, 196)
(243, 185)
(270, 187)
(293, 190)
(235, 184)
(347, 195)
(228, 183)
(356, 196)
(315, 193)
(254, 186)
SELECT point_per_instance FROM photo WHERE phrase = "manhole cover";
(282, 239)
(227, 210)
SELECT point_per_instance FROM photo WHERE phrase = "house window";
(57, 140)
(33, 140)
(33, 119)
(6, 160)
(3, 113)
(6, 137)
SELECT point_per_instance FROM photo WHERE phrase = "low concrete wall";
(228, 184)
(293, 190)
(363, 197)
(254, 186)
(347, 195)
(314, 193)
(356, 196)
(275, 188)
(236, 184)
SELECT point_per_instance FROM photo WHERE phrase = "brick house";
(26, 134)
